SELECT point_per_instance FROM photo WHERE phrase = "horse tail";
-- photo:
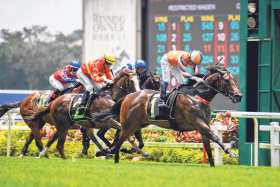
(6, 107)
(113, 112)
(38, 115)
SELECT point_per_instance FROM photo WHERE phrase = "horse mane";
(189, 89)
(122, 73)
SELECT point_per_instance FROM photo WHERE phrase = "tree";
(29, 57)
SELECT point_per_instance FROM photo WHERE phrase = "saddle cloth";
(80, 115)
(42, 99)
(160, 114)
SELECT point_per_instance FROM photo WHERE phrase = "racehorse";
(28, 107)
(153, 82)
(191, 110)
(126, 82)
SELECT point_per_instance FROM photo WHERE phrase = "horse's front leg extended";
(203, 129)
(216, 139)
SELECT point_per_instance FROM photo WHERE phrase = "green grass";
(29, 171)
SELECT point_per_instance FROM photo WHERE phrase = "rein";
(128, 91)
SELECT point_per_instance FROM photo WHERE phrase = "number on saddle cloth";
(80, 115)
(161, 114)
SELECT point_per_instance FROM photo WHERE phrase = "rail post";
(9, 136)
(274, 139)
(217, 150)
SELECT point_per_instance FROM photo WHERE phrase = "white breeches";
(88, 82)
(167, 67)
(58, 85)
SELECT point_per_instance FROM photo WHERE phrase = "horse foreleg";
(93, 138)
(205, 130)
(216, 139)
(206, 143)
(101, 135)
(86, 140)
(29, 139)
(138, 136)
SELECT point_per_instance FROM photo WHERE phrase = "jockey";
(140, 67)
(90, 75)
(177, 61)
(63, 78)
(127, 66)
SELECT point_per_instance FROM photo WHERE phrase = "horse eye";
(227, 80)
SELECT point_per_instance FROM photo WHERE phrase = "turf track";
(29, 171)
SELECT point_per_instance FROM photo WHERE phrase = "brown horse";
(152, 82)
(191, 110)
(126, 82)
(27, 107)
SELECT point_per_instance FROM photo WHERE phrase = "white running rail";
(274, 146)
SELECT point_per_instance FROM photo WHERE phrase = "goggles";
(140, 69)
(73, 69)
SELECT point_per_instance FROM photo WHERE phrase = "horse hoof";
(84, 152)
(21, 156)
(145, 154)
(99, 153)
(232, 155)
(109, 155)
(124, 150)
(133, 150)
(105, 150)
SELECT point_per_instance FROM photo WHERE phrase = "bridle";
(127, 83)
(152, 81)
(220, 82)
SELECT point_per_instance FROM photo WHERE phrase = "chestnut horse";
(28, 107)
(191, 110)
(126, 82)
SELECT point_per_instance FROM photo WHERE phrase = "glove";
(107, 81)
(77, 80)
(198, 80)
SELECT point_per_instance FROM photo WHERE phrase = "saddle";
(162, 114)
(75, 113)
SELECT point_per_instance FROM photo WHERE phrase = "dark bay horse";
(126, 82)
(191, 110)
(27, 107)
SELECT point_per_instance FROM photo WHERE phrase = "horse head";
(128, 81)
(154, 80)
(224, 82)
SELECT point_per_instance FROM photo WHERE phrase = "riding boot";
(53, 96)
(161, 103)
(84, 100)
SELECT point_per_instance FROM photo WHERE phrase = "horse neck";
(116, 92)
(205, 92)
(79, 89)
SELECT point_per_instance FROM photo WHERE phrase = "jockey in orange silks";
(176, 62)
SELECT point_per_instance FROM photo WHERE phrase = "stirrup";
(161, 104)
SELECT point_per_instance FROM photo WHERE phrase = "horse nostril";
(238, 96)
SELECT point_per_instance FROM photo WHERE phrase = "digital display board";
(210, 26)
